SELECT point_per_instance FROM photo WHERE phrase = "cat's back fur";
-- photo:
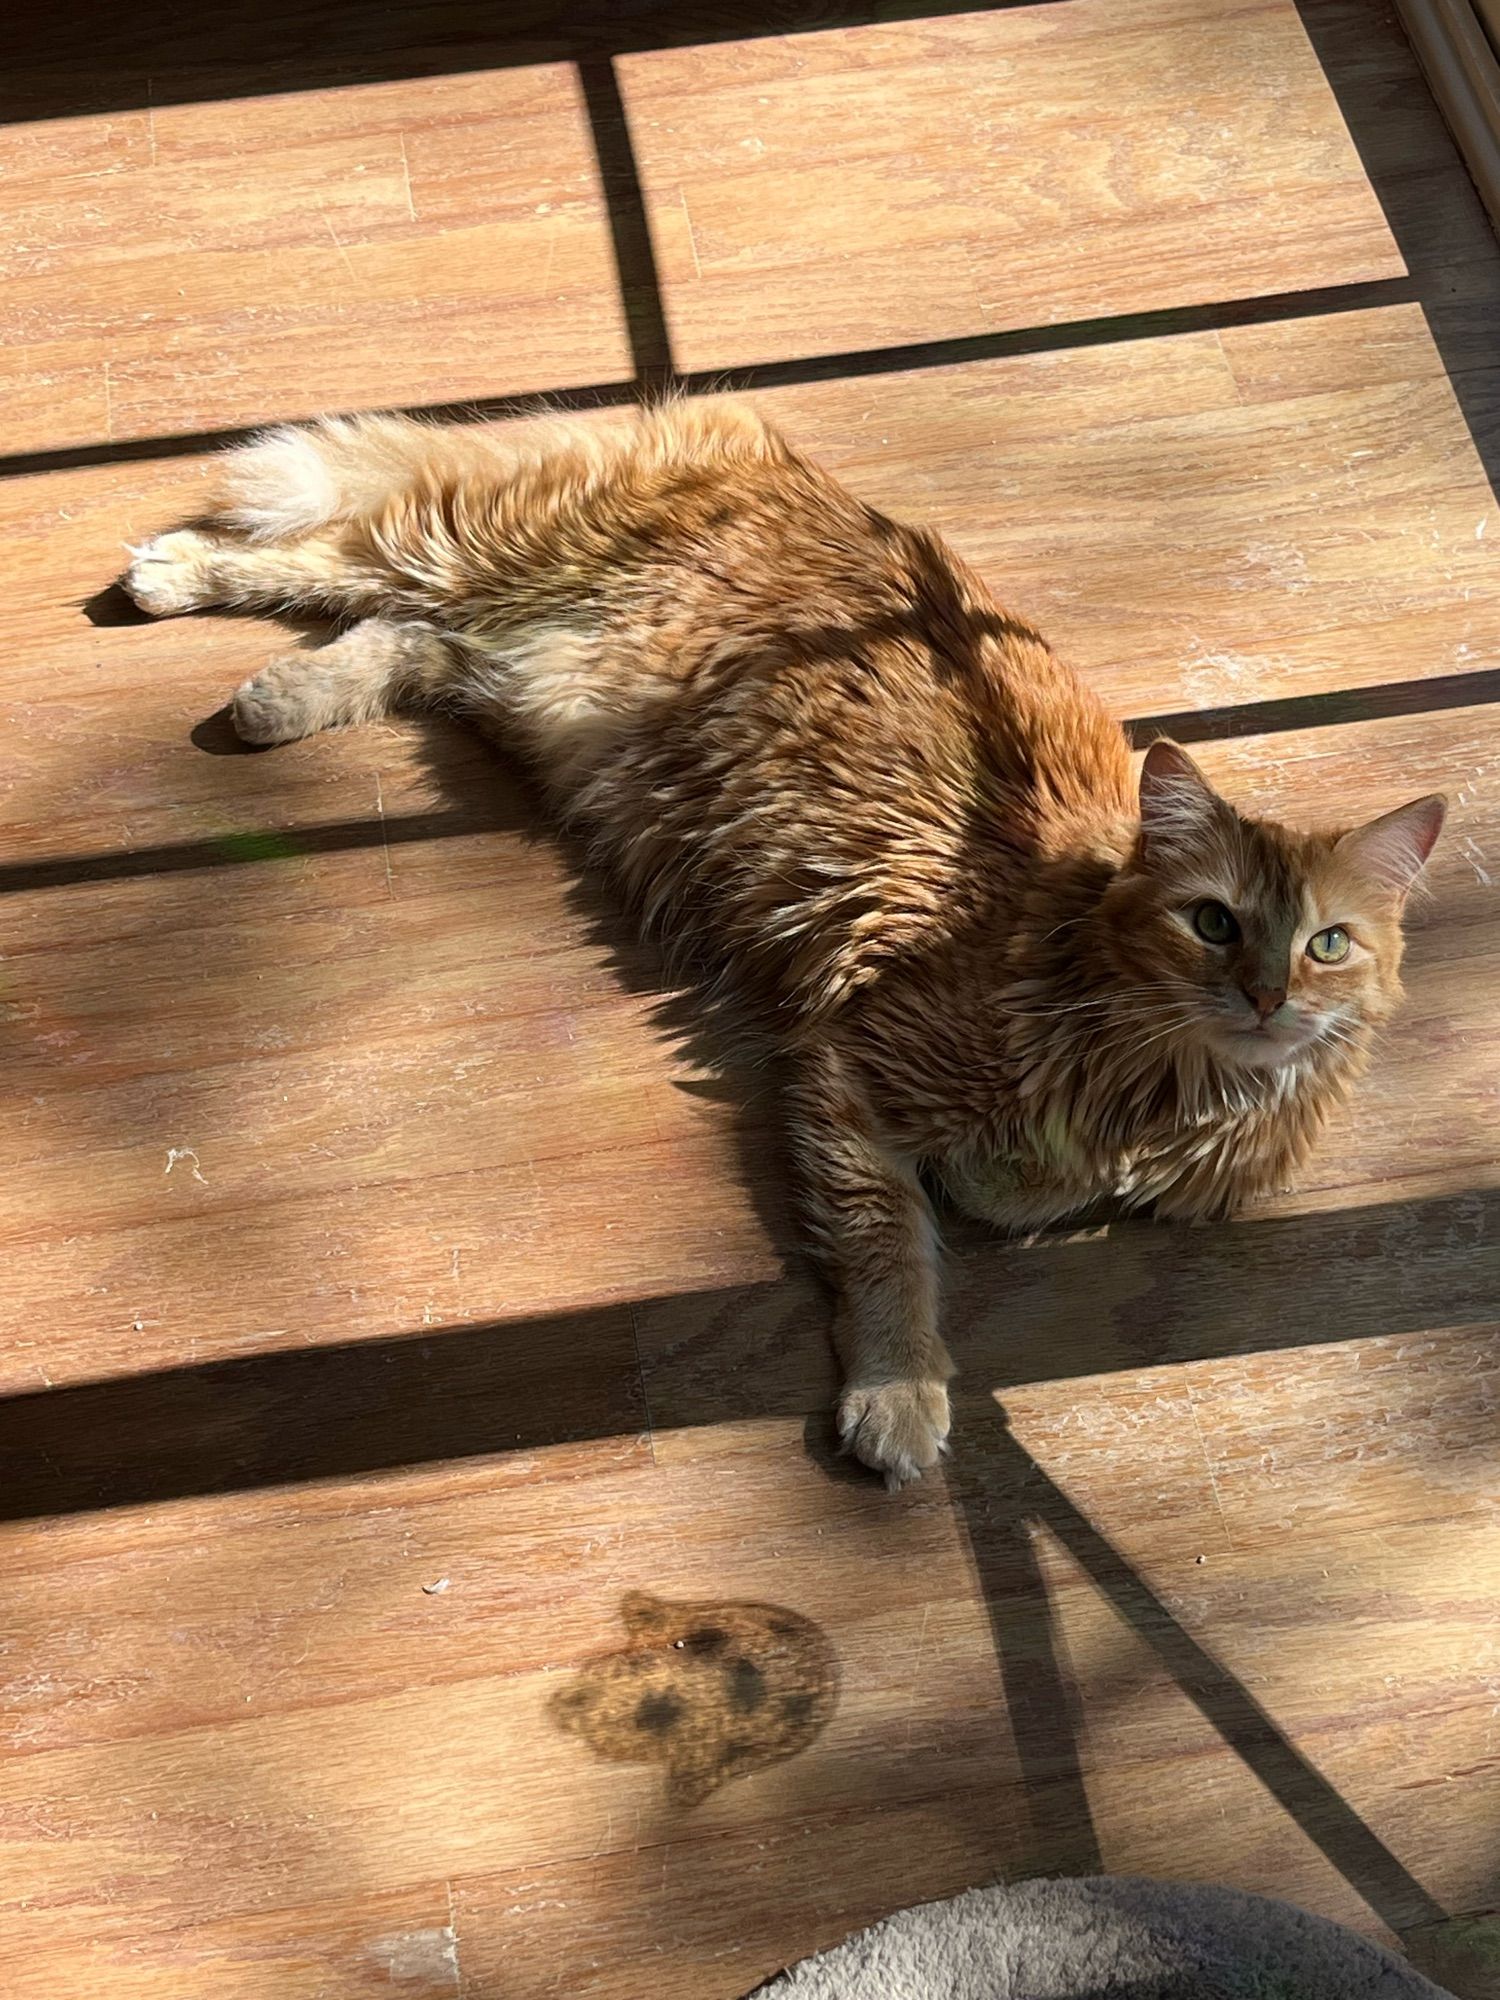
(808, 737)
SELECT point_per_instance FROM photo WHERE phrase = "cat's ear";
(1392, 849)
(1177, 801)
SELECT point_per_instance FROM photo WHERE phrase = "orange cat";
(815, 749)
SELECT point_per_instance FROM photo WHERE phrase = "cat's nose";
(1265, 999)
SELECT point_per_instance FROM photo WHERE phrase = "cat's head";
(1255, 942)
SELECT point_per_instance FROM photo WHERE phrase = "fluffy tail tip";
(281, 484)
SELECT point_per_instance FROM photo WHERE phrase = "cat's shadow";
(722, 1058)
(473, 785)
(112, 606)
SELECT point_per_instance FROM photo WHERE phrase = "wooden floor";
(389, 1299)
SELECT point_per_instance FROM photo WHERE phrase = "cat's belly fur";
(1020, 1189)
(1017, 1193)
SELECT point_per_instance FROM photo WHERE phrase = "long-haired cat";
(814, 749)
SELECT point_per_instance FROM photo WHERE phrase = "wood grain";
(392, 1285)
(326, 238)
(1026, 198)
(362, 1947)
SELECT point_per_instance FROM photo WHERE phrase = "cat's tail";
(290, 481)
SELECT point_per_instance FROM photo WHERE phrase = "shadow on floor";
(82, 56)
(1005, 1497)
(475, 1393)
(1409, 158)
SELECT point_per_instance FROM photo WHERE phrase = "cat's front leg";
(874, 1232)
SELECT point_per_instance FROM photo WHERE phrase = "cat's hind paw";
(280, 703)
(899, 1429)
(172, 573)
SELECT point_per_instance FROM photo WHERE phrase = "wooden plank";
(1386, 1431)
(532, 1240)
(209, 289)
(1223, 169)
(310, 194)
(217, 1138)
(357, 1948)
(1449, 332)
(1223, 554)
(919, 1700)
(714, 1917)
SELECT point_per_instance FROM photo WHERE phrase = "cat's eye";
(1214, 924)
(1330, 946)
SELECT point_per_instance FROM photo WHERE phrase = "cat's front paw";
(275, 706)
(897, 1428)
(172, 573)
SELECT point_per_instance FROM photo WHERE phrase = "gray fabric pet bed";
(1104, 1940)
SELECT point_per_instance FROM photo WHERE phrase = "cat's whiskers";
(1067, 924)
(1133, 1013)
(1104, 1003)
(1341, 1035)
(1173, 1027)
(1121, 1055)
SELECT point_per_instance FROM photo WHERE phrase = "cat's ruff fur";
(822, 759)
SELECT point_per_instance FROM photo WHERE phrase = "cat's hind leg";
(357, 677)
(283, 528)
(189, 569)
